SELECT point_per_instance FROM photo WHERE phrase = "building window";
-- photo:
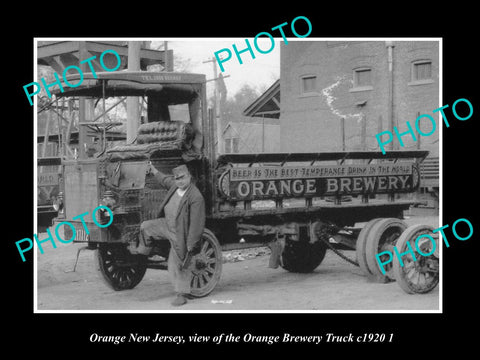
(421, 72)
(309, 84)
(362, 79)
(231, 145)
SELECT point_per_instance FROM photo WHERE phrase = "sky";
(260, 72)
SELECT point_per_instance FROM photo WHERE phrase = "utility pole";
(216, 112)
(133, 111)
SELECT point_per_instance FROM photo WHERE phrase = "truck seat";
(157, 137)
(176, 133)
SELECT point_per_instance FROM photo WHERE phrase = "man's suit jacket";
(190, 220)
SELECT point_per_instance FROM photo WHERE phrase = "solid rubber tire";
(373, 243)
(360, 246)
(302, 256)
(399, 271)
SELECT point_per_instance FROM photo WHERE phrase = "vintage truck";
(300, 203)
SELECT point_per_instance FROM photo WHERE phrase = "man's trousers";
(157, 229)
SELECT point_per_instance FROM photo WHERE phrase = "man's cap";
(180, 171)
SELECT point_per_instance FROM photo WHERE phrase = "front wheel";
(120, 269)
(206, 265)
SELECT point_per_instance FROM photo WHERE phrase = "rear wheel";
(382, 237)
(206, 265)
(361, 244)
(120, 269)
(419, 275)
(303, 256)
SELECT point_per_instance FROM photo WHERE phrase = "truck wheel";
(120, 269)
(420, 276)
(361, 243)
(302, 256)
(382, 237)
(207, 265)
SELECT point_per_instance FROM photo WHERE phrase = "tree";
(235, 105)
(180, 64)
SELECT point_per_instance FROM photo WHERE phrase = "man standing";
(181, 221)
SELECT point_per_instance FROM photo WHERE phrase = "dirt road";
(249, 284)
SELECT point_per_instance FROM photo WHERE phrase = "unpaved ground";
(245, 285)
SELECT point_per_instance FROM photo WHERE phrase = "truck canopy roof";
(174, 87)
(322, 156)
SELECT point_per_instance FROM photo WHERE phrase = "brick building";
(322, 82)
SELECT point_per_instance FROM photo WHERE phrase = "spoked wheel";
(206, 265)
(420, 275)
(383, 237)
(119, 268)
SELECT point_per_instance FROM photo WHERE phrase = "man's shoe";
(179, 300)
